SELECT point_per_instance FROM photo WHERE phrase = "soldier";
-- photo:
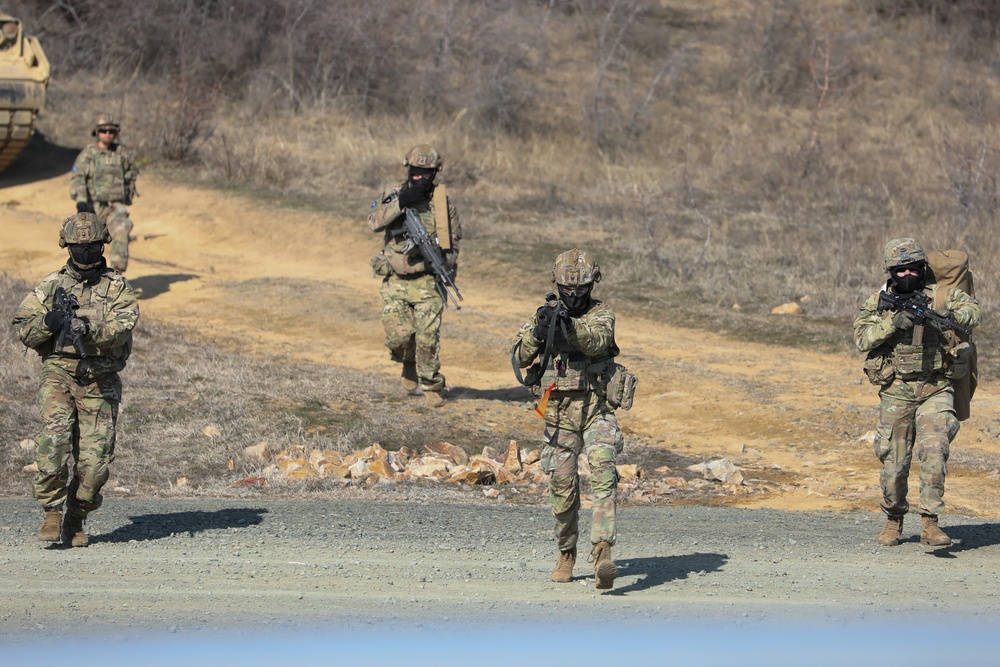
(411, 303)
(104, 177)
(571, 343)
(80, 320)
(913, 367)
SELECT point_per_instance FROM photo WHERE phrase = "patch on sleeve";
(374, 204)
(74, 168)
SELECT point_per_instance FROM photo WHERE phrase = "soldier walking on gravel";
(80, 320)
(104, 177)
(913, 366)
(569, 344)
(412, 302)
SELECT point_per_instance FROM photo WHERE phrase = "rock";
(181, 481)
(629, 471)
(491, 492)
(663, 470)
(490, 471)
(211, 431)
(260, 451)
(449, 451)
(398, 460)
(361, 471)
(374, 452)
(31, 467)
(287, 465)
(428, 468)
(512, 462)
(722, 470)
(334, 471)
(255, 480)
(678, 482)
(409, 452)
(493, 454)
(790, 308)
(868, 438)
(530, 457)
(27, 445)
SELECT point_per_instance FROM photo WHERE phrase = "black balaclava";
(87, 258)
(908, 284)
(576, 304)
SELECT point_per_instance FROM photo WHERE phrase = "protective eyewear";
(107, 130)
(574, 290)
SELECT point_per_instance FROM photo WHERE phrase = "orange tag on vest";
(544, 403)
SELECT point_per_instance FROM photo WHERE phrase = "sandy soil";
(799, 419)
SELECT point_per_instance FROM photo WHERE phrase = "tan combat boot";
(433, 398)
(72, 531)
(564, 567)
(50, 525)
(893, 528)
(932, 533)
(409, 377)
(605, 569)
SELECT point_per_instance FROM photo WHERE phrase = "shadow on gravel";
(149, 286)
(513, 394)
(157, 526)
(653, 572)
(967, 537)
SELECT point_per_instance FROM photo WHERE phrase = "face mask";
(86, 255)
(576, 298)
(909, 283)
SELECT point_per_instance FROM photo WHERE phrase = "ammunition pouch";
(878, 367)
(956, 363)
(913, 361)
(381, 265)
(619, 385)
(568, 371)
(406, 265)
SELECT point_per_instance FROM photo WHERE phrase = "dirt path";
(297, 283)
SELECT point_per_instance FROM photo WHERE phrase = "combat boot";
(50, 525)
(564, 567)
(409, 377)
(433, 398)
(72, 531)
(605, 569)
(932, 534)
(893, 528)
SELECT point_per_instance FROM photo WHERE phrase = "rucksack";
(950, 269)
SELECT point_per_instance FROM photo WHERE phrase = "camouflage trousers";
(78, 420)
(602, 442)
(411, 317)
(115, 216)
(920, 414)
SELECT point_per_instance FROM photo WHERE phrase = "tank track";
(16, 128)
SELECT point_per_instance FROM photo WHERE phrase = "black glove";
(54, 320)
(413, 193)
(903, 320)
(84, 207)
(545, 316)
(944, 326)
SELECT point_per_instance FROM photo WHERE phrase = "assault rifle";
(67, 305)
(918, 305)
(417, 237)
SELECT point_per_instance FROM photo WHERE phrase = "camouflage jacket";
(588, 346)
(875, 333)
(110, 308)
(104, 175)
(386, 217)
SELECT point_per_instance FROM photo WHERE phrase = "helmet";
(900, 252)
(83, 228)
(104, 120)
(575, 267)
(423, 156)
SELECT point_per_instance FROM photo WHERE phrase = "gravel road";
(225, 566)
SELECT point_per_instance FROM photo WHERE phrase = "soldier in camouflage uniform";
(104, 177)
(411, 304)
(914, 370)
(578, 418)
(80, 390)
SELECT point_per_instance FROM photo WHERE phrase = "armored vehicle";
(24, 75)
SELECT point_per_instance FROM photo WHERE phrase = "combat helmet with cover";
(104, 120)
(83, 228)
(902, 252)
(575, 267)
(423, 156)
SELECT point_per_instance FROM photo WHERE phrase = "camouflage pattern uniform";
(106, 178)
(411, 305)
(78, 397)
(578, 422)
(916, 407)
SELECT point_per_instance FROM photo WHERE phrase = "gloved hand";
(545, 316)
(902, 320)
(415, 192)
(54, 320)
(946, 314)
(79, 325)
(84, 207)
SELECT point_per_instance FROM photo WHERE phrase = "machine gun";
(417, 237)
(67, 305)
(918, 305)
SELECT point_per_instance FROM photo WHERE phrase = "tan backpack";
(950, 269)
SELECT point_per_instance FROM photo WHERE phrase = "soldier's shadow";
(512, 394)
(147, 287)
(146, 527)
(659, 570)
(967, 537)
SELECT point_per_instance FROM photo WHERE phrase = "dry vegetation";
(719, 151)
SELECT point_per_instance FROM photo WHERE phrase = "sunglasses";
(575, 290)
(107, 130)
